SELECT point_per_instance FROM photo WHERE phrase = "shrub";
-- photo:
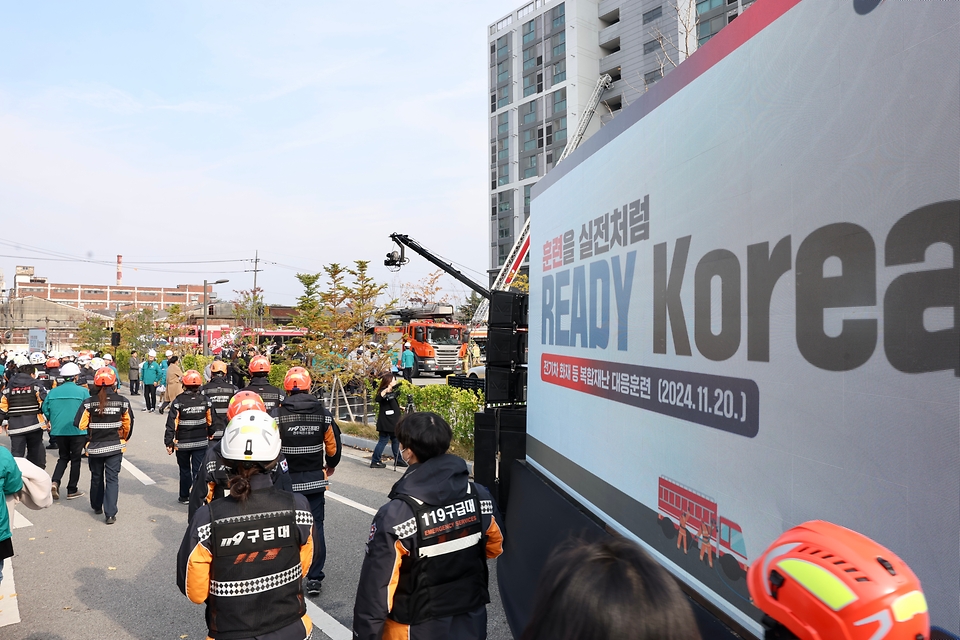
(456, 406)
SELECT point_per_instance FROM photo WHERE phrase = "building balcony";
(609, 10)
(610, 37)
(611, 64)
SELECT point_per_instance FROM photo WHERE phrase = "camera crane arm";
(397, 259)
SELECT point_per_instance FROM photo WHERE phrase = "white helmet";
(69, 370)
(107, 357)
(21, 360)
(84, 360)
(169, 353)
(97, 364)
(251, 436)
(37, 358)
(152, 353)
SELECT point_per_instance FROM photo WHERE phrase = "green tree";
(93, 334)
(249, 309)
(469, 307)
(137, 330)
(176, 328)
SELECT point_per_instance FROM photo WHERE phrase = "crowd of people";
(255, 460)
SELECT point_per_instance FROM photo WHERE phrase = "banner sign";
(745, 298)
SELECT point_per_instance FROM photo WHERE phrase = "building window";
(530, 58)
(503, 251)
(503, 175)
(529, 84)
(503, 96)
(652, 76)
(558, 42)
(529, 139)
(503, 202)
(503, 71)
(653, 14)
(503, 46)
(706, 30)
(708, 5)
(529, 112)
(558, 17)
(560, 130)
(529, 31)
(530, 167)
(560, 72)
(560, 100)
(503, 228)
(503, 149)
(526, 194)
(650, 47)
(503, 123)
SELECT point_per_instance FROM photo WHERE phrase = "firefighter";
(244, 555)
(85, 379)
(20, 406)
(424, 574)
(188, 431)
(260, 384)
(820, 581)
(682, 532)
(311, 442)
(216, 472)
(107, 418)
(218, 391)
(706, 544)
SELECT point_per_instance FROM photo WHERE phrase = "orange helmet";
(52, 363)
(824, 582)
(218, 366)
(260, 364)
(244, 401)
(192, 378)
(104, 377)
(297, 378)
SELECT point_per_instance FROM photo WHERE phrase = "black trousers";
(135, 387)
(408, 374)
(71, 448)
(30, 446)
(150, 395)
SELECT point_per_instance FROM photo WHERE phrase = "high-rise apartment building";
(545, 60)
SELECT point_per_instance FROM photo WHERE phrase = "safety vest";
(104, 430)
(270, 395)
(302, 442)
(218, 391)
(192, 429)
(449, 575)
(23, 405)
(255, 573)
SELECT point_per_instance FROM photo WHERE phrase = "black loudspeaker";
(508, 309)
(506, 347)
(114, 339)
(506, 385)
(485, 450)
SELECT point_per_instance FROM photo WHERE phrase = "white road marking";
(19, 521)
(136, 473)
(351, 503)
(325, 622)
(9, 608)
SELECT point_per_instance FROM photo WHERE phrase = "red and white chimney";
(119, 270)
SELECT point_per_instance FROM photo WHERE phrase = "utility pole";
(256, 307)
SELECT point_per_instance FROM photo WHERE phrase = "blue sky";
(206, 130)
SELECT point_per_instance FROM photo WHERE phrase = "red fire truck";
(674, 499)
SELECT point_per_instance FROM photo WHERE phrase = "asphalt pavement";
(76, 578)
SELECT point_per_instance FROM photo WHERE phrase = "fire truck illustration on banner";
(700, 515)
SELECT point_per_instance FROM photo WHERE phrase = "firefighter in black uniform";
(260, 384)
(310, 438)
(188, 431)
(424, 575)
(216, 472)
(20, 406)
(244, 555)
(218, 391)
(108, 419)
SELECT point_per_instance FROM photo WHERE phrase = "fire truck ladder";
(511, 266)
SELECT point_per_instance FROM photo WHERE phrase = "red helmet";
(52, 363)
(244, 401)
(104, 377)
(192, 378)
(260, 364)
(824, 582)
(297, 378)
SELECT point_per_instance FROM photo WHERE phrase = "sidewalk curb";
(366, 444)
